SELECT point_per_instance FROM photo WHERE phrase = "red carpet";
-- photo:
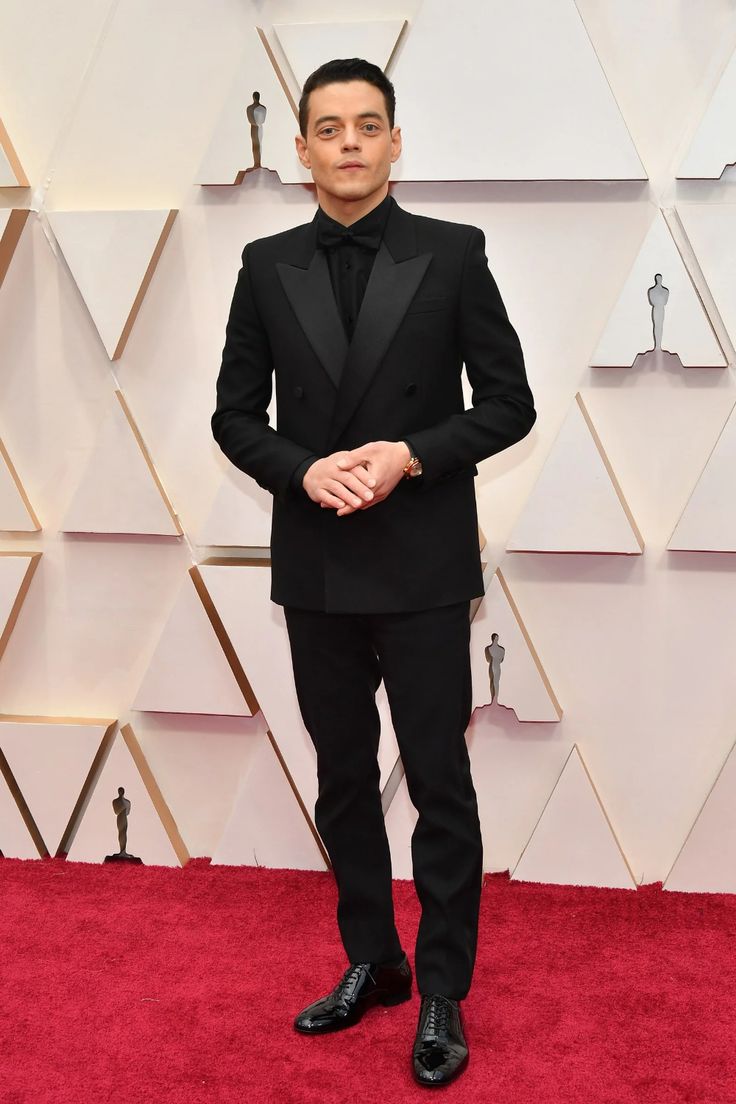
(149, 984)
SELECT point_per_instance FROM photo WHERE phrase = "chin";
(354, 189)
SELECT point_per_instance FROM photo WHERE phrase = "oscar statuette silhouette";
(494, 655)
(121, 808)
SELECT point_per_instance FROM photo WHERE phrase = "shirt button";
(347, 264)
(410, 389)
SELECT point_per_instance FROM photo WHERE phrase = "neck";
(348, 211)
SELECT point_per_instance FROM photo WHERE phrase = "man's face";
(349, 147)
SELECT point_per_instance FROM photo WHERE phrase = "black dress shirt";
(350, 252)
(349, 260)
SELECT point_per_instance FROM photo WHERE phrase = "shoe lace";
(437, 1010)
(347, 983)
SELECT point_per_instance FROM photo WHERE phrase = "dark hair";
(343, 70)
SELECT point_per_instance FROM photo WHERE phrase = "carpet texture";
(173, 986)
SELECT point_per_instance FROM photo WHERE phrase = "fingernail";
(368, 494)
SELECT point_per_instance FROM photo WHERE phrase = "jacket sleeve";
(240, 422)
(503, 406)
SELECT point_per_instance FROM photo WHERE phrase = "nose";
(351, 138)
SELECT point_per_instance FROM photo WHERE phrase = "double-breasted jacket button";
(410, 389)
(298, 392)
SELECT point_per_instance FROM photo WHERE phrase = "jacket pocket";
(429, 303)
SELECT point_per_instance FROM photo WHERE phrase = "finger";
(331, 500)
(363, 505)
(364, 475)
(350, 459)
(351, 481)
(339, 490)
(367, 505)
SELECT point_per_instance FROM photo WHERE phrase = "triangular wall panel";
(705, 862)
(240, 515)
(523, 685)
(50, 759)
(683, 327)
(307, 45)
(189, 671)
(710, 230)
(240, 593)
(549, 112)
(239, 143)
(576, 504)
(120, 491)
(266, 826)
(573, 842)
(708, 522)
(16, 513)
(16, 571)
(152, 832)
(713, 146)
(514, 772)
(112, 256)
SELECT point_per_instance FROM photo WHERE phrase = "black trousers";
(423, 657)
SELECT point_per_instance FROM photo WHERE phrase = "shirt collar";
(374, 222)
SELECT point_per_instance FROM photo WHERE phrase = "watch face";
(416, 467)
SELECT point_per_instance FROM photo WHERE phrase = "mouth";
(351, 166)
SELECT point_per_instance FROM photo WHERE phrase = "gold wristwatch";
(412, 467)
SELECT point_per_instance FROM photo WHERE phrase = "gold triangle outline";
(12, 156)
(229, 649)
(5, 455)
(154, 792)
(609, 468)
(160, 804)
(727, 552)
(691, 829)
(11, 237)
(147, 457)
(529, 643)
(34, 558)
(147, 277)
(575, 748)
(23, 809)
(25, 718)
(223, 639)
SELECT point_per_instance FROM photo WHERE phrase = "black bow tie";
(329, 235)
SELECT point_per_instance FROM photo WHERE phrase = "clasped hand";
(354, 480)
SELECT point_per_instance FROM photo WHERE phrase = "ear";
(302, 151)
(395, 144)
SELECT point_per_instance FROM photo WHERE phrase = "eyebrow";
(336, 118)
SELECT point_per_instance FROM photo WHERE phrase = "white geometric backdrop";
(592, 143)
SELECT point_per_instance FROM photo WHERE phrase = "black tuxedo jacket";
(431, 304)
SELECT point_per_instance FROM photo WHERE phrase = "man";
(364, 317)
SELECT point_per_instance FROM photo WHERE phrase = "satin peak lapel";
(309, 290)
(390, 289)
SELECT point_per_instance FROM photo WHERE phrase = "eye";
(325, 132)
(374, 126)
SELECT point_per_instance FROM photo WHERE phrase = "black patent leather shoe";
(362, 986)
(440, 1052)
